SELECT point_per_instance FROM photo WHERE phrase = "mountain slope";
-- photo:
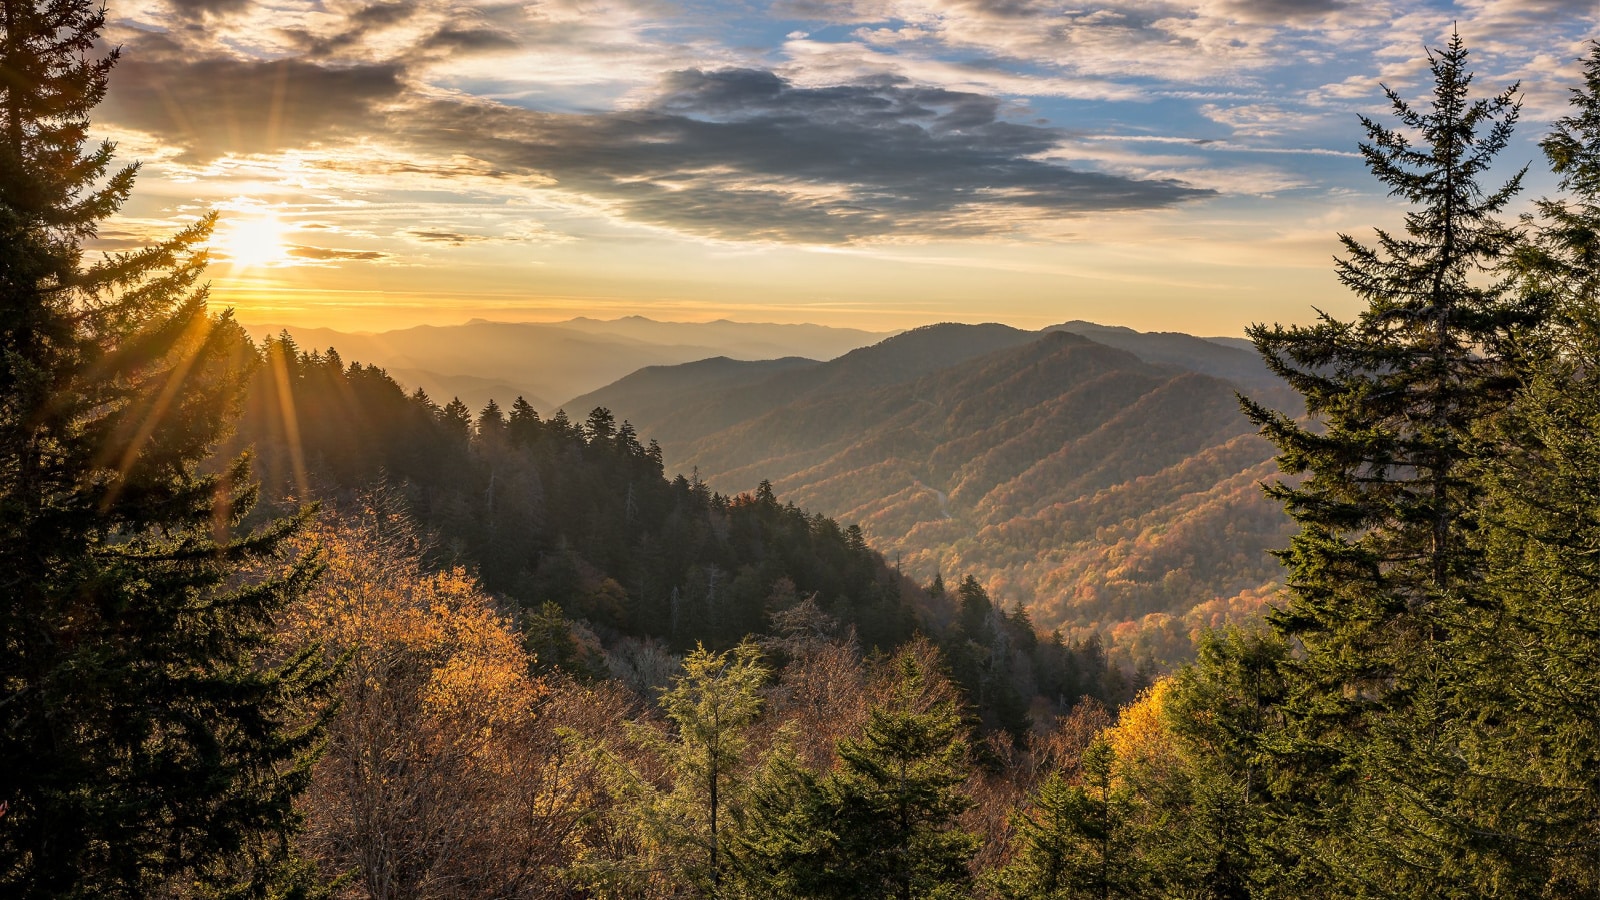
(1109, 492)
(1233, 359)
(742, 340)
(747, 393)
(681, 388)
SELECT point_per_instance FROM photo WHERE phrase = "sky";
(1177, 165)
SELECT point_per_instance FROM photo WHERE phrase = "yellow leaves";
(1142, 740)
(445, 772)
(483, 688)
(429, 640)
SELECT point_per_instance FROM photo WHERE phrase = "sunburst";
(253, 240)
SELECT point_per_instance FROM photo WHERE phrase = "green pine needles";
(150, 738)
(883, 822)
(1433, 598)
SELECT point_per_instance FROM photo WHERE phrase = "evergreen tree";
(523, 424)
(1563, 262)
(601, 426)
(683, 828)
(456, 418)
(1382, 574)
(146, 740)
(1216, 809)
(976, 608)
(712, 704)
(1076, 842)
(561, 427)
(491, 424)
(1535, 655)
(883, 823)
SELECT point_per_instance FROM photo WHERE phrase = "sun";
(253, 241)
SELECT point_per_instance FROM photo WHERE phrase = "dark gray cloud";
(200, 9)
(383, 15)
(357, 28)
(470, 40)
(743, 154)
(327, 254)
(210, 107)
(1010, 9)
(446, 237)
(1283, 10)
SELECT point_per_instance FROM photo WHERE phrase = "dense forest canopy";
(507, 656)
(586, 541)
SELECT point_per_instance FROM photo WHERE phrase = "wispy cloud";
(513, 134)
(329, 254)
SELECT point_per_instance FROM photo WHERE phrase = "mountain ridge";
(1112, 493)
(557, 360)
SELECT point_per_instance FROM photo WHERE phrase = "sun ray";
(291, 421)
(191, 345)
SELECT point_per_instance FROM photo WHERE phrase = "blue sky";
(881, 163)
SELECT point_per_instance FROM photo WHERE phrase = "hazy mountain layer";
(1106, 491)
(1233, 359)
(740, 340)
(480, 360)
(729, 394)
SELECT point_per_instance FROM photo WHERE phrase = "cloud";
(934, 119)
(1253, 120)
(746, 155)
(354, 33)
(216, 106)
(455, 238)
(1280, 10)
(732, 154)
(383, 15)
(201, 9)
(470, 40)
(1531, 7)
(1182, 41)
(326, 254)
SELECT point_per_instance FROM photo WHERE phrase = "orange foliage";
(442, 777)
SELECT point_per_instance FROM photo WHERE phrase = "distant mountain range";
(548, 361)
(1103, 476)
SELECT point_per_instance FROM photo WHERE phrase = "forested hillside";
(1111, 492)
(606, 562)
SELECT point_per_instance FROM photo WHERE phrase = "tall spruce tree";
(145, 742)
(713, 704)
(1382, 574)
(1538, 673)
(1563, 261)
(1535, 662)
(672, 826)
